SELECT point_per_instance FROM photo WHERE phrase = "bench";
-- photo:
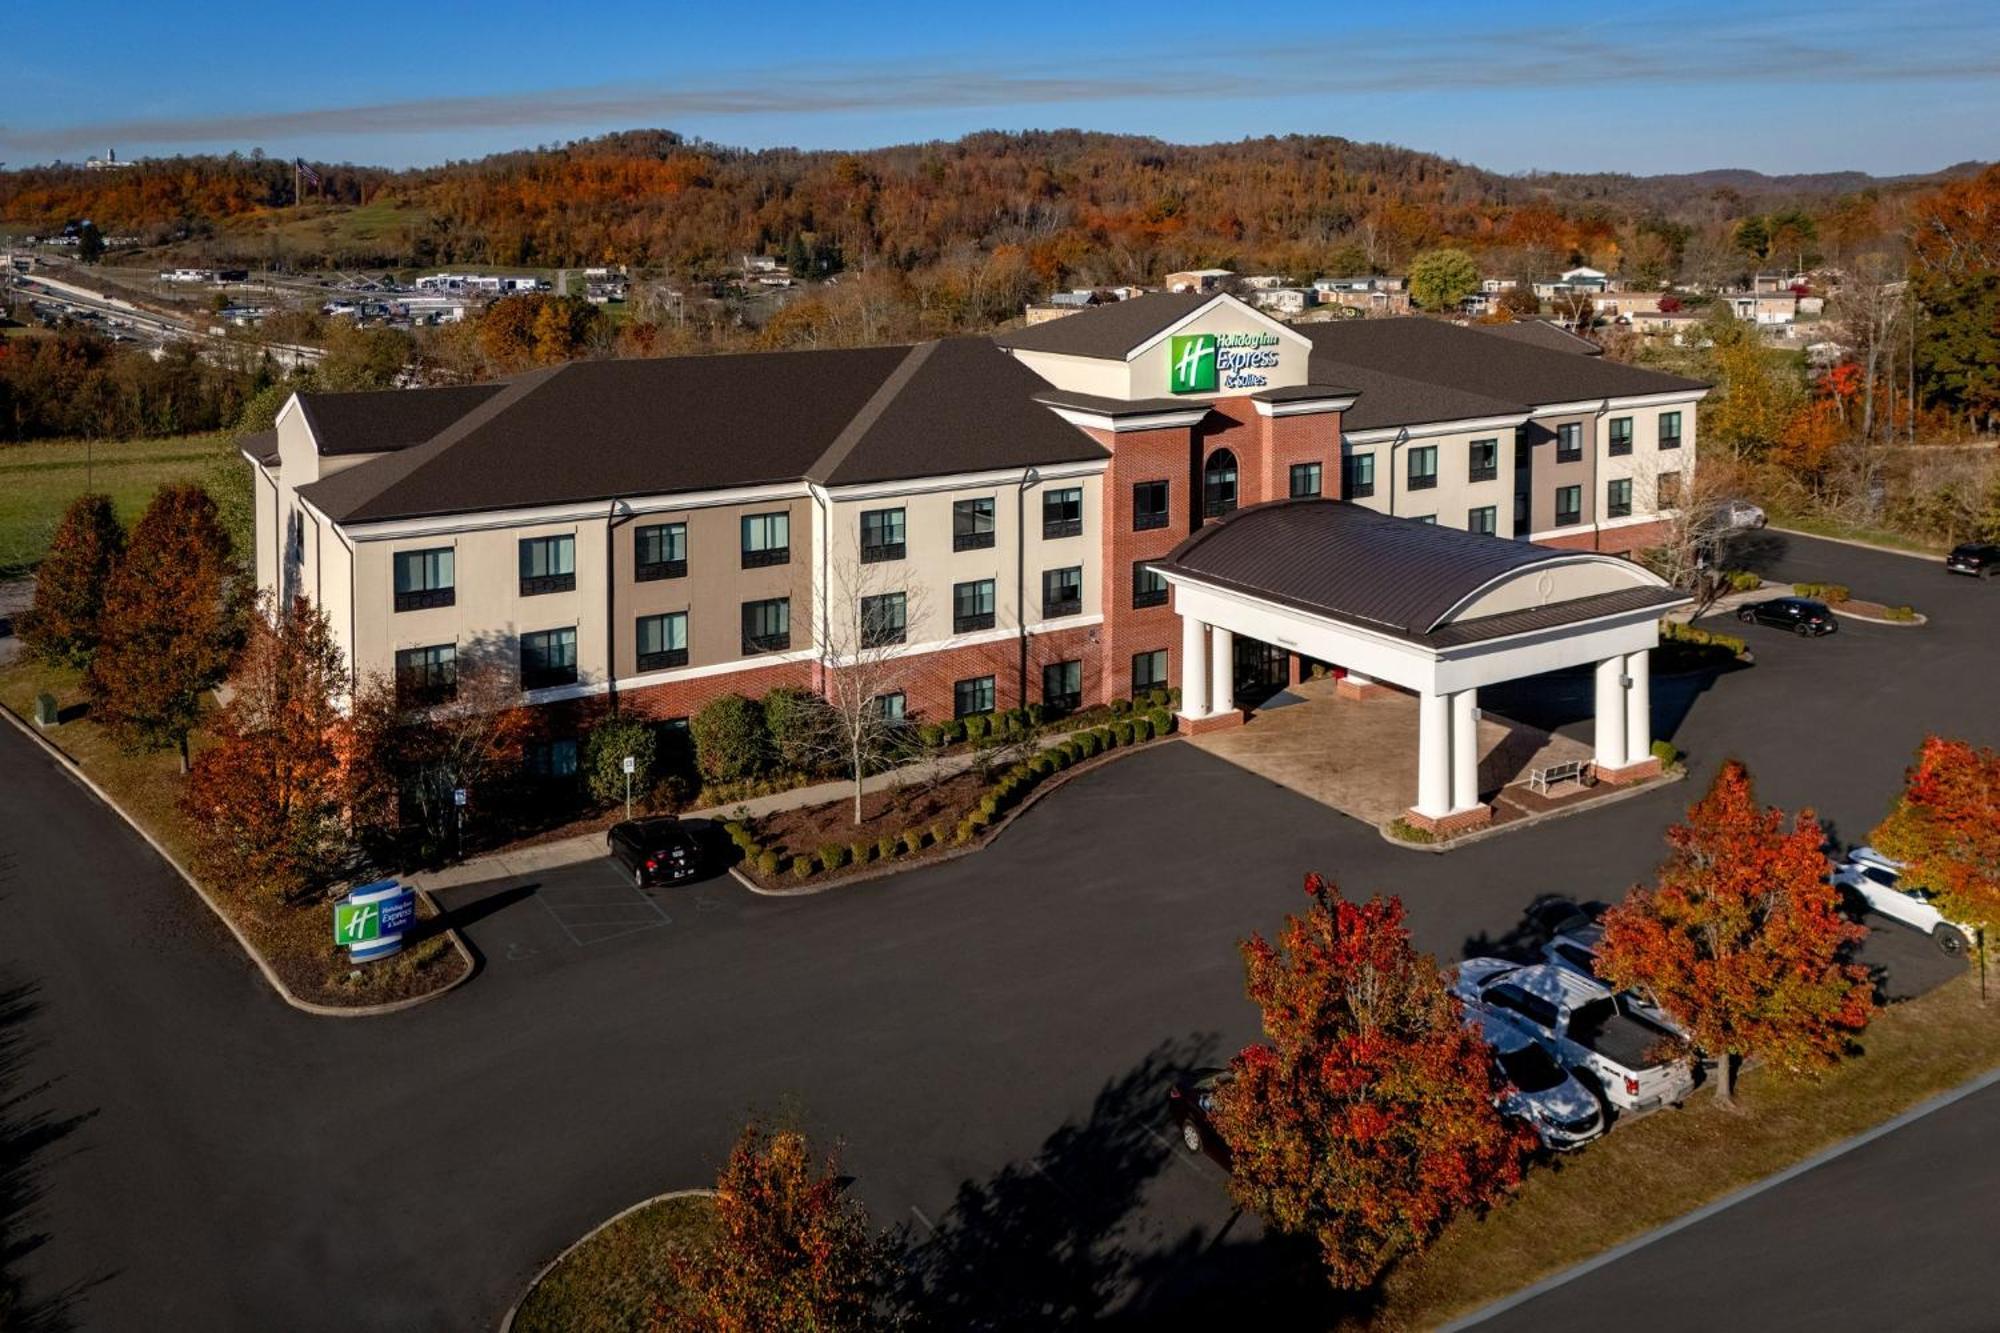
(1541, 779)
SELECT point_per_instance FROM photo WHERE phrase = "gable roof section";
(387, 420)
(1459, 358)
(1384, 401)
(1541, 333)
(1108, 332)
(1347, 563)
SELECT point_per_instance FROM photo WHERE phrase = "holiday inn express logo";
(1192, 367)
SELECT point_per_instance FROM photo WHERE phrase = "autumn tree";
(169, 625)
(62, 623)
(1365, 1119)
(1742, 938)
(1945, 828)
(265, 803)
(792, 1249)
(1440, 279)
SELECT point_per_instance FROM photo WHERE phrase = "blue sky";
(1891, 86)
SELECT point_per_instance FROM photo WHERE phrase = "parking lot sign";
(370, 923)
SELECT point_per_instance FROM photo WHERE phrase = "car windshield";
(1531, 1070)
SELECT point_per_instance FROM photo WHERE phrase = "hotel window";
(548, 564)
(660, 551)
(1305, 480)
(1483, 462)
(892, 708)
(972, 524)
(1149, 587)
(1669, 488)
(548, 657)
(1149, 670)
(969, 697)
(424, 579)
(662, 641)
(1569, 505)
(1484, 520)
(1062, 592)
(1618, 498)
(1359, 483)
(550, 760)
(1218, 484)
(1670, 430)
(426, 675)
(1062, 512)
(885, 619)
(1569, 442)
(1062, 685)
(1427, 518)
(767, 625)
(1149, 505)
(767, 540)
(1621, 436)
(971, 606)
(881, 535)
(1423, 467)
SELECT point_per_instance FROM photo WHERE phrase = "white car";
(1576, 949)
(1878, 881)
(1563, 1112)
(1740, 514)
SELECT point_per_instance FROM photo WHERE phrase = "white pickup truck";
(1584, 1026)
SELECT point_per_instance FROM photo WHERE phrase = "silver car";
(1563, 1112)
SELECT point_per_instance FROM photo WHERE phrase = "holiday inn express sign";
(1208, 362)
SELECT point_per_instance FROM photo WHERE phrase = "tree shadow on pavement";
(27, 1132)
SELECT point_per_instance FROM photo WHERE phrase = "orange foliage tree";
(1366, 1118)
(792, 1250)
(265, 803)
(1945, 827)
(62, 624)
(169, 626)
(1742, 938)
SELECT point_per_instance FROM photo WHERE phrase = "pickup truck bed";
(1624, 1038)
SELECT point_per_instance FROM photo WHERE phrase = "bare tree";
(865, 664)
(1869, 306)
(1694, 508)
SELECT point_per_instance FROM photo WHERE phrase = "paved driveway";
(991, 1036)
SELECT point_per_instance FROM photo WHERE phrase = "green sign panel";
(356, 923)
(1192, 369)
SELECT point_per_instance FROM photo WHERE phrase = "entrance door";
(1261, 671)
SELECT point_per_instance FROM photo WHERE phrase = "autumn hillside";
(1078, 207)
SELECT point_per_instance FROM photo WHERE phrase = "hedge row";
(1830, 593)
(1742, 580)
(1672, 631)
(1019, 723)
(1023, 777)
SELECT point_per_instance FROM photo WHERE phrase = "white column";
(1194, 668)
(1609, 728)
(1221, 670)
(1464, 751)
(1433, 755)
(1638, 707)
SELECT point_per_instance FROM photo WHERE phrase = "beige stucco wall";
(1646, 461)
(1146, 375)
(1455, 494)
(1564, 583)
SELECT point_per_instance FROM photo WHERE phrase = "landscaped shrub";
(833, 856)
(604, 752)
(1037, 714)
(1742, 580)
(966, 831)
(1672, 631)
(989, 804)
(954, 731)
(1404, 831)
(1904, 613)
(977, 726)
(1123, 733)
(1119, 707)
(801, 727)
(1665, 752)
(1142, 728)
(931, 736)
(767, 862)
(731, 741)
(1163, 722)
(802, 868)
(937, 835)
(915, 840)
(887, 846)
(1830, 593)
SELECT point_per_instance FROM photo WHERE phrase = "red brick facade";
(1626, 541)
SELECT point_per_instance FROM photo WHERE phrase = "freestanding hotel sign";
(372, 919)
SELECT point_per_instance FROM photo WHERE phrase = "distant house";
(1264, 282)
(1777, 282)
(1373, 294)
(1283, 300)
(1623, 305)
(755, 264)
(1199, 279)
(1766, 309)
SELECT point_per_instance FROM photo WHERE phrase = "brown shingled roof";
(1107, 332)
(1461, 359)
(386, 420)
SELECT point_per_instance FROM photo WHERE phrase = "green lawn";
(38, 480)
(1828, 527)
(609, 1283)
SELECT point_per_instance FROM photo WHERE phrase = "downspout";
(1597, 498)
(1402, 438)
(613, 520)
(1029, 477)
(823, 611)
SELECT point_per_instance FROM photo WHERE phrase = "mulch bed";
(1854, 606)
(891, 811)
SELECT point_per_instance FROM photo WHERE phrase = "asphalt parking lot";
(991, 1038)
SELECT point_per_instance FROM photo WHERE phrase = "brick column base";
(1351, 689)
(1648, 767)
(1443, 826)
(1235, 717)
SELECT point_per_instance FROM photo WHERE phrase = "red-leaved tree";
(62, 624)
(168, 626)
(1742, 939)
(792, 1250)
(265, 803)
(1366, 1119)
(1946, 828)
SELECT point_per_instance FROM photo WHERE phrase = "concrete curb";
(1049, 788)
(1921, 618)
(507, 1320)
(1671, 776)
(1857, 542)
(75, 772)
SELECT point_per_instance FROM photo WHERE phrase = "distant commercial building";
(1199, 279)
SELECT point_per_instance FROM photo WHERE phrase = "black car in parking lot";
(1979, 559)
(1801, 615)
(1189, 1103)
(659, 850)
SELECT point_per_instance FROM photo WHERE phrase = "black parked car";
(1979, 559)
(660, 850)
(1188, 1102)
(1800, 615)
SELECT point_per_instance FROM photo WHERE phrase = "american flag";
(311, 176)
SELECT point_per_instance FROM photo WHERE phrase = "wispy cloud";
(1642, 54)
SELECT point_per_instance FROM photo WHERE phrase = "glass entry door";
(1261, 671)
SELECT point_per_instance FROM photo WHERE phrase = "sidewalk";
(590, 846)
